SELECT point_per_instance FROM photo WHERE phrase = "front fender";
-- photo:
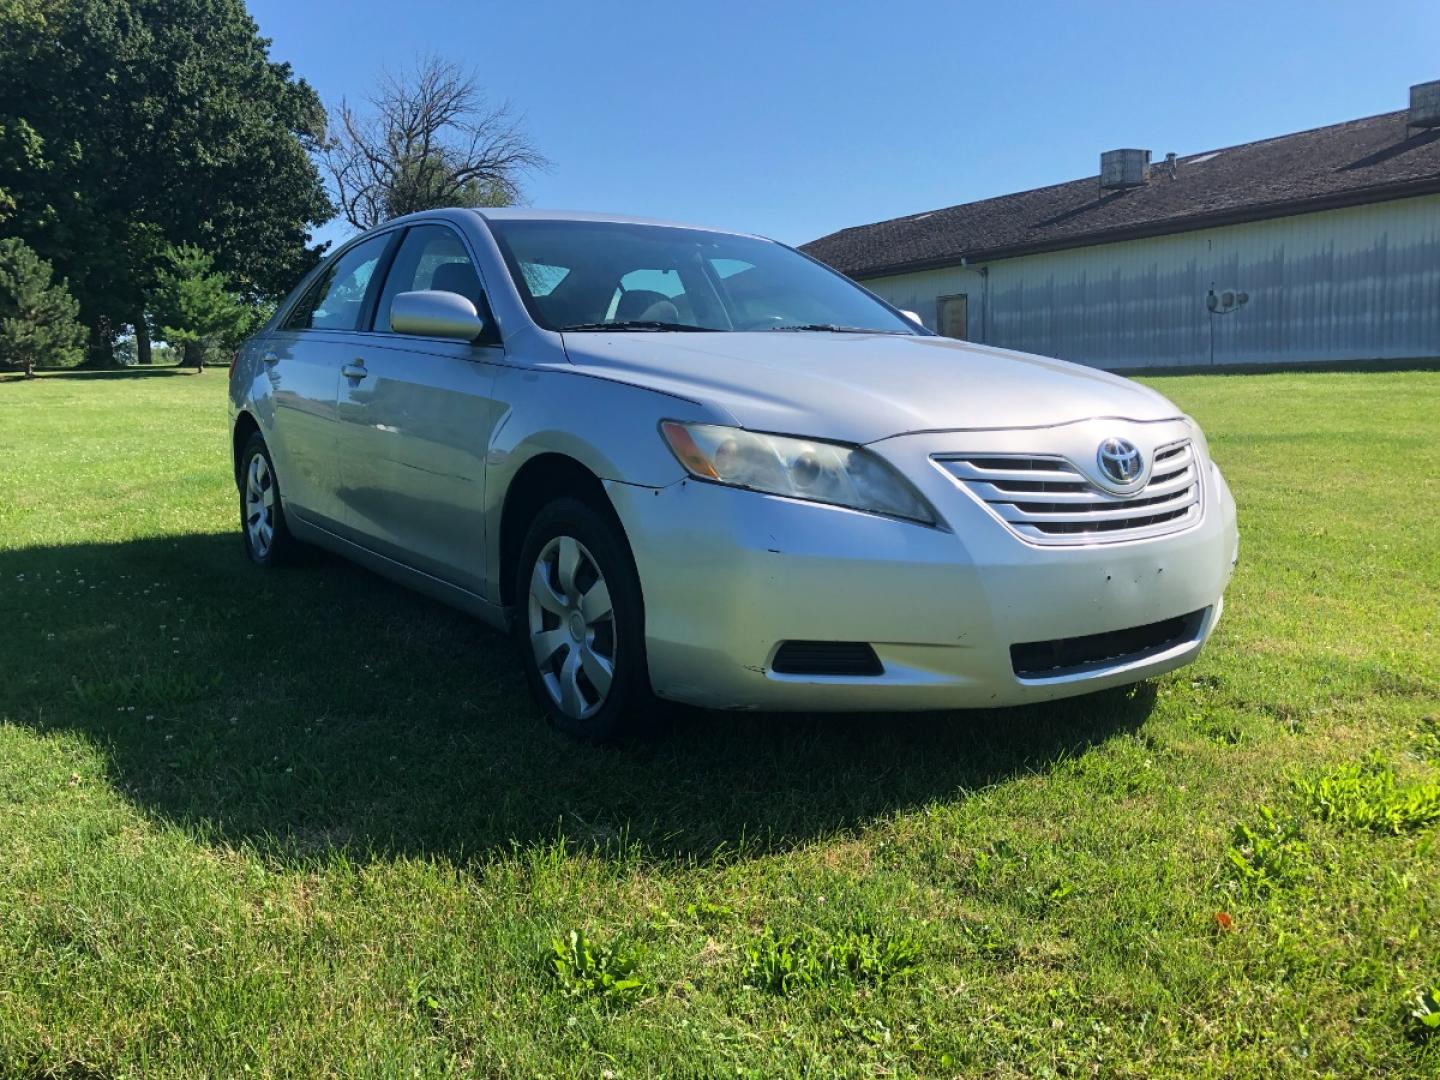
(609, 427)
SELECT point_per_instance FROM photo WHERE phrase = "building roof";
(1359, 161)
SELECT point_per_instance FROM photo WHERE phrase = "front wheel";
(580, 624)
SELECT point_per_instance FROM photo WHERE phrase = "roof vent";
(1425, 105)
(1121, 169)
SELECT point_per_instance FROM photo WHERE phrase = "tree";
(39, 320)
(127, 126)
(194, 307)
(432, 139)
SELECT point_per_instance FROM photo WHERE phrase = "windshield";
(605, 275)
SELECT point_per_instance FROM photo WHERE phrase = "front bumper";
(729, 575)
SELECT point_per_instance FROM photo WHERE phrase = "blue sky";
(794, 120)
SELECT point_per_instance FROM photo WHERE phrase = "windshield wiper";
(832, 328)
(633, 324)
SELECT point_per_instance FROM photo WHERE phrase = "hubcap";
(572, 627)
(260, 505)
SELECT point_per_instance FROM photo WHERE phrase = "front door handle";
(355, 370)
(270, 356)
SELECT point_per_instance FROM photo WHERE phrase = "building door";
(950, 316)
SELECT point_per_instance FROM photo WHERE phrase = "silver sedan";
(690, 464)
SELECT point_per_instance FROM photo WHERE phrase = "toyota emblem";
(1120, 462)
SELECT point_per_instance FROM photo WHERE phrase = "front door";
(416, 415)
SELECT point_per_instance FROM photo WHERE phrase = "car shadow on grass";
(319, 709)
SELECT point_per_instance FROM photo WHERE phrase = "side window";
(727, 268)
(541, 279)
(337, 299)
(299, 317)
(430, 257)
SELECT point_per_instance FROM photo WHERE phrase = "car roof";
(526, 213)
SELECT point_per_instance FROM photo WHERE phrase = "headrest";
(456, 277)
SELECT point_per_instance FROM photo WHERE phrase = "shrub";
(1425, 1014)
(1368, 796)
(1427, 740)
(582, 967)
(709, 914)
(807, 961)
(989, 941)
(1268, 857)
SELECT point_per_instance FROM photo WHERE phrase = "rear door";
(415, 419)
(303, 358)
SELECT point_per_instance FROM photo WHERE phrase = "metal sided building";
(1318, 246)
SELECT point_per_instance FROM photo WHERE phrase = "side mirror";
(432, 313)
(912, 317)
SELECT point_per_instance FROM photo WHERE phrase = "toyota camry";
(689, 464)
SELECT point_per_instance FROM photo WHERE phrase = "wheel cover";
(260, 505)
(572, 627)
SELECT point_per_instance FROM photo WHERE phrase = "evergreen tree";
(39, 319)
(194, 307)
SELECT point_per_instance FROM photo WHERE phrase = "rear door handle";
(270, 356)
(355, 370)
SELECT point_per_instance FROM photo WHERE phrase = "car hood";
(858, 388)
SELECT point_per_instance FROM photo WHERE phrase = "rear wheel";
(262, 518)
(580, 624)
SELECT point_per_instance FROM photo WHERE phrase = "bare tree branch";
(430, 138)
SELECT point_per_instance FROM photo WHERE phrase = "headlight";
(799, 468)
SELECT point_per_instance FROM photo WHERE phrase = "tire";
(267, 538)
(570, 639)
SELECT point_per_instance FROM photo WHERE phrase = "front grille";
(1069, 656)
(1047, 500)
(826, 658)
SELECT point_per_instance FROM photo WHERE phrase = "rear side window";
(430, 257)
(540, 279)
(337, 299)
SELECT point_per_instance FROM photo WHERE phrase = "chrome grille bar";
(1045, 499)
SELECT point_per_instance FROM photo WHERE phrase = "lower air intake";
(826, 658)
(1069, 656)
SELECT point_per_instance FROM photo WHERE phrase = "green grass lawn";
(309, 824)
